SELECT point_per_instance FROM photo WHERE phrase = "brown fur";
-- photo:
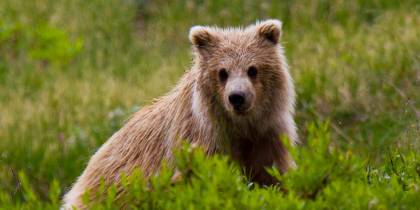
(197, 109)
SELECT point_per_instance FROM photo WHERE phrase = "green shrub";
(326, 178)
(42, 43)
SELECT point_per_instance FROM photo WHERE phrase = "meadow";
(72, 72)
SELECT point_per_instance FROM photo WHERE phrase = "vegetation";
(72, 71)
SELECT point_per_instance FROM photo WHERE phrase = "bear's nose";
(237, 99)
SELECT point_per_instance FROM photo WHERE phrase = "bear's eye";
(252, 72)
(223, 75)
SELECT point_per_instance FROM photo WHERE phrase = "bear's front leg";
(256, 156)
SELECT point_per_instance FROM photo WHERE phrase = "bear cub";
(237, 99)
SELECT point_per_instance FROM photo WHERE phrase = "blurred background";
(72, 71)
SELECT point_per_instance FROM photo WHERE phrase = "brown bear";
(237, 99)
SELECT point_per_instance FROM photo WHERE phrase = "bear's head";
(242, 71)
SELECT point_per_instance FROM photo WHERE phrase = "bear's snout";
(239, 95)
(240, 101)
(237, 99)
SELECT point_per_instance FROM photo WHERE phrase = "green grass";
(71, 72)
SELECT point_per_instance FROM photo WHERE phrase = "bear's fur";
(199, 109)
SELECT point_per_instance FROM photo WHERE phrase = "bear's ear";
(201, 37)
(269, 30)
